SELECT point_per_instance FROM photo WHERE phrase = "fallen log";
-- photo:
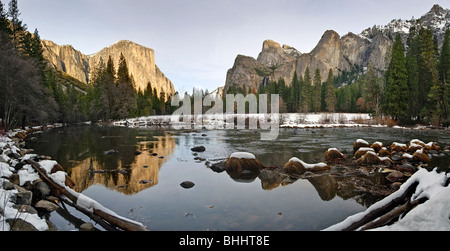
(391, 216)
(379, 212)
(102, 213)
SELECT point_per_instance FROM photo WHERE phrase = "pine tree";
(412, 66)
(306, 87)
(4, 22)
(110, 70)
(439, 93)
(123, 75)
(397, 87)
(316, 92)
(428, 73)
(330, 93)
(17, 27)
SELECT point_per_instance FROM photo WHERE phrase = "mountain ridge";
(339, 53)
(140, 59)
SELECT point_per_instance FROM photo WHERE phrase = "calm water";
(218, 201)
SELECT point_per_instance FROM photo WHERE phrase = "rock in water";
(187, 184)
(198, 149)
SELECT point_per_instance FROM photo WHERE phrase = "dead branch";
(112, 220)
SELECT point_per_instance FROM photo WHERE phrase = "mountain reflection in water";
(137, 173)
(117, 172)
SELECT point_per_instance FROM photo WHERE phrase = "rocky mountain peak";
(270, 44)
(347, 53)
(140, 60)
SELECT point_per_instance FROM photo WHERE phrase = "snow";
(433, 215)
(243, 155)
(407, 155)
(306, 165)
(399, 144)
(47, 165)
(59, 178)
(5, 170)
(366, 149)
(27, 173)
(378, 143)
(361, 141)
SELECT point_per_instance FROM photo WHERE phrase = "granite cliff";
(141, 63)
(346, 53)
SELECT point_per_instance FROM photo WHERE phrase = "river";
(137, 173)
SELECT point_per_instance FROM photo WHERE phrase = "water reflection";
(121, 174)
(125, 160)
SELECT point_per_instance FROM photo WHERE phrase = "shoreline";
(13, 147)
(31, 186)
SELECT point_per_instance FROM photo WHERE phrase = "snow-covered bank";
(433, 215)
(296, 120)
(27, 187)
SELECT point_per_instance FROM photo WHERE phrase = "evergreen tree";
(4, 22)
(17, 28)
(397, 87)
(412, 65)
(123, 75)
(439, 93)
(428, 73)
(316, 92)
(306, 86)
(330, 93)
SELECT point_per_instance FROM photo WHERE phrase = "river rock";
(362, 151)
(333, 154)
(46, 205)
(360, 143)
(398, 147)
(87, 227)
(198, 149)
(395, 176)
(187, 184)
(19, 225)
(43, 189)
(23, 198)
(420, 156)
(384, 152)
(377, 146)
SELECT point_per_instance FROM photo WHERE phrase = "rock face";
(334, 52)
(141, 63)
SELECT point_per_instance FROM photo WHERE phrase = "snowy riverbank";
(32, 186)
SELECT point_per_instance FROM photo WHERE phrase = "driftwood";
(96, 215)
(386, 211)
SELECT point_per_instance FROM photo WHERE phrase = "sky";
(197, 41)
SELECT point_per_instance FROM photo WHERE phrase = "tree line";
(414, 87)
(33, 93)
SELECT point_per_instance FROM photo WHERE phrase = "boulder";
(297, 166)
(398, 147)
(187, 184)
(46, 205)
(371, 158)
(384, 152)
(237, 162)
(333, 155)
(420, 156)
(198, 149)
(432, 146)
(377, 146)
(359, 143)
(395, 176)
(362, 151)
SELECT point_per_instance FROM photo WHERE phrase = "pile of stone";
(26, 200)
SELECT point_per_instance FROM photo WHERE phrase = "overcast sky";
(197, 41)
